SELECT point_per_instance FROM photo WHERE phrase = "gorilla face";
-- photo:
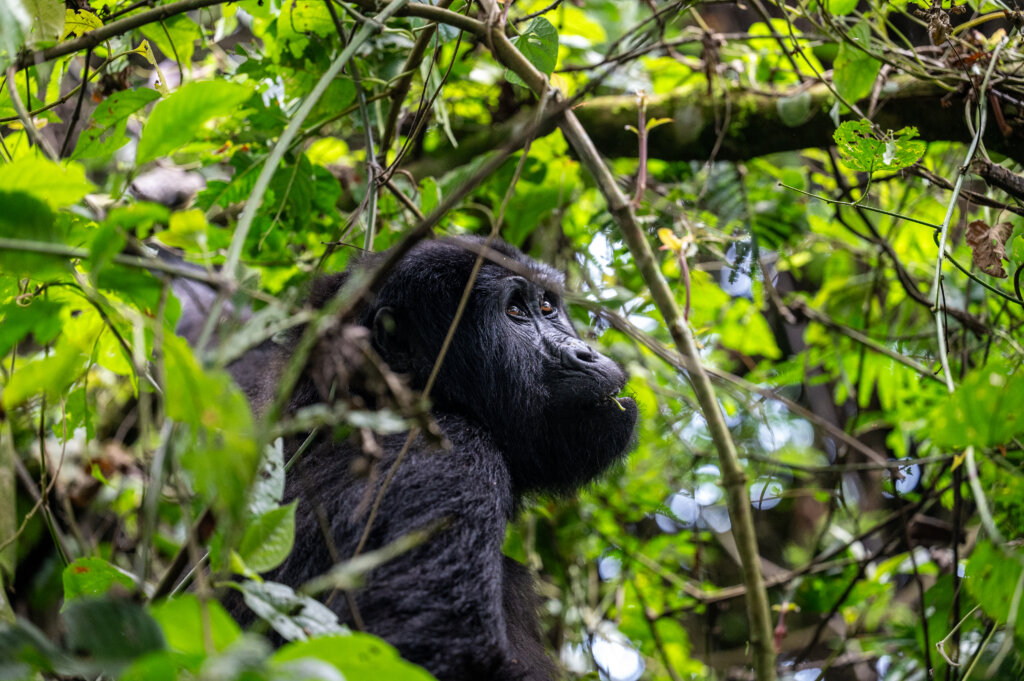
(515, 366)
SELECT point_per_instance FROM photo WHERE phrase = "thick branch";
(753, 129)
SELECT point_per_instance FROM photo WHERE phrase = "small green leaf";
(111, 631)
(92, 577)
(176, 120)
(268, 539)
(182, 620)
(796, 110)
(293, 616)
(539, 44)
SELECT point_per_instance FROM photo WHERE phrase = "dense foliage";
(817, 205)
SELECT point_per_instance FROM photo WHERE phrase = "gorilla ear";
(388, 339)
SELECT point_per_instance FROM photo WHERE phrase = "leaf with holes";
(988, 244)
(863, 151)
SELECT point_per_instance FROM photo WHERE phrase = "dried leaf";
(989, 246)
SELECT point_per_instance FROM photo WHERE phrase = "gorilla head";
(515, 365)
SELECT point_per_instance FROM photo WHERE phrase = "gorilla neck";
(556, 452)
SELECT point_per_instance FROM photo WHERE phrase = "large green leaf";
(57, 185)
(984, 411)
(105, 132)
(177, 120)
(221, 457)
(360, 657)
(184, 618)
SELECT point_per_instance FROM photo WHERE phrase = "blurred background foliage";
(872, 386)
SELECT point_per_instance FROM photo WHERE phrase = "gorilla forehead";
(443, 267)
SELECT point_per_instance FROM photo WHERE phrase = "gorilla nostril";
(576, 354)
(585, 353)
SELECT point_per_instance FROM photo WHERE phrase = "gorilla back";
(527, 408)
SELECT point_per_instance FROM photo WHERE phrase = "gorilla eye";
(546, 307)
(514, 310)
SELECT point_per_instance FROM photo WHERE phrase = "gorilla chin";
(527, 407)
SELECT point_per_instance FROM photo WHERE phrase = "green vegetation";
(799, 225)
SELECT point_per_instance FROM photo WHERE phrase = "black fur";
(527, 408)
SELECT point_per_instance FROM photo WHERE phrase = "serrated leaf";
(176, 120)
(988, 246)
(78, 22)
(539, 44)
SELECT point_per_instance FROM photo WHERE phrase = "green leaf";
(268, 539)
(40, 317)
(222, 458)
(176, 120)
(984, 411)
(105, 132)
(111, 631)
(55, 184)
(183, 620)
(862, 151)
(360, 657)
(92, 577)
(15, 22)
(854, 70)
(841, 7)
(539, 44)
(293, 616)
(176, 35)
(993, 576)
(47, 21)
(796, 110)
(49, 375)
(186, 229)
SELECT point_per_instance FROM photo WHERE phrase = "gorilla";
(524, 408)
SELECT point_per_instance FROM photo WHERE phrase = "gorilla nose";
(576, 354)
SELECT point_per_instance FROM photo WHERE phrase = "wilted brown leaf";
(989, 246)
